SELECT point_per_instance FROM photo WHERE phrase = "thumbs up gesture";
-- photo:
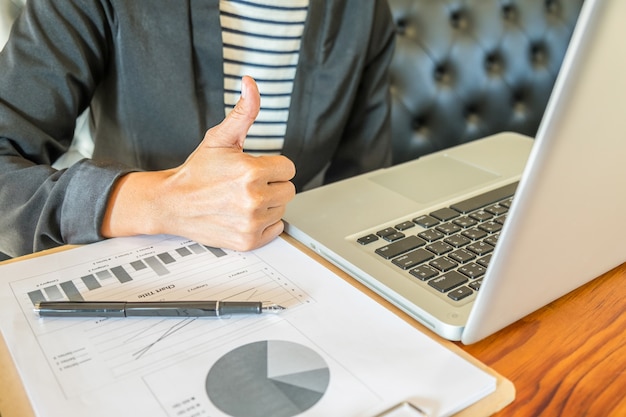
(232, 132)
(220, 196)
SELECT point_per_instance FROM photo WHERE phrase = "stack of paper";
(332, 352)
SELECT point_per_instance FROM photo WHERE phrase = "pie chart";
(268, 378)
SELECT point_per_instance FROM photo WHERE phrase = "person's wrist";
(133, 206)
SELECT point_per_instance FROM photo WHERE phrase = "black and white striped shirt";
(262, 39)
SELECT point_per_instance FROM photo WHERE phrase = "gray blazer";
(151, 73)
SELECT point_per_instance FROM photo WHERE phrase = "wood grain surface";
(569, 358)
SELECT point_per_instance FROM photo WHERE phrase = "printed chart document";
(333, 352)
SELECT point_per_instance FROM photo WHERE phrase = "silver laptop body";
(564, 227)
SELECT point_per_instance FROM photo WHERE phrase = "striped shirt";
(262, 39)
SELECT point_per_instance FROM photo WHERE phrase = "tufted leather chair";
(465, 69)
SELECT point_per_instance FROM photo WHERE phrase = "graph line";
(169, 332)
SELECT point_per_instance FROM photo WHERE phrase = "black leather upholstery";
(465, 69)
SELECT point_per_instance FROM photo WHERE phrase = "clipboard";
(14, 401)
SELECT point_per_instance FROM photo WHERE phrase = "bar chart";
(158, 264)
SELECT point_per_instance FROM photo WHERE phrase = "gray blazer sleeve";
(48, 73)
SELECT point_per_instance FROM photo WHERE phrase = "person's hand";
(219, 197)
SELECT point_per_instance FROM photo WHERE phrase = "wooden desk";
(567, 359)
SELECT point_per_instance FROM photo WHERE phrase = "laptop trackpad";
(433, 178)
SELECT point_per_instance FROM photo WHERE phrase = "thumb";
(232, 131)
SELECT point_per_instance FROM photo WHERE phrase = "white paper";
(332, 352)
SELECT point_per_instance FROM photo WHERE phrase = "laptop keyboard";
(453, 250)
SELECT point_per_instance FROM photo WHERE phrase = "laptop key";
(448, 281)
(476, 284)
(394, 236)
(480, 248)
(405, 225)
(507, 203)
(485, 199)
(439, 248)
(426, 221)
(496, 209)
(412, 259)
(462, 256)
(472, 270)
(386, 231)
(465, 222)
(460, 293)
(490, 227)
(424, 272)
(492, 240)
(474, 234)
(457, 240)
(484, 261)
(399, 247)
(448, 228)
(367, 239)
(443, 264)
(481, 215)
(431, 235)
(445, 214)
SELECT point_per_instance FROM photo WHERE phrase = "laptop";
(424, 235)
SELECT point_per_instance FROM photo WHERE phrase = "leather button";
(443, 74)
(493, 63)
(539, 55)
(401, 26)
(459, 20)
(509, 12)
(553, 6)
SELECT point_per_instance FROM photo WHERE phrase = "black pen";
(152, 308)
